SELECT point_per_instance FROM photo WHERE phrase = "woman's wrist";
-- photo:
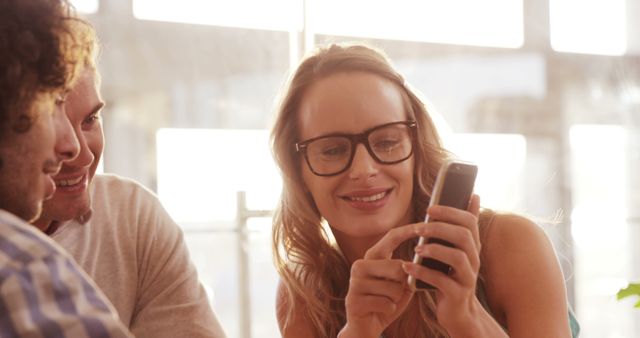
(351, 332)
(479, 324)
(345, 333)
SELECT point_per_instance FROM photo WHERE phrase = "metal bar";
(244, 286)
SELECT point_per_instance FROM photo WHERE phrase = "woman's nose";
(363, 165)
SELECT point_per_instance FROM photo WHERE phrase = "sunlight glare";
(86, 6)
(500, 159)
(589, 26)
(496, 23)
(200, 172)
(598, 183)
(280, 15)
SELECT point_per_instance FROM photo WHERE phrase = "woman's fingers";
(361, 305)
(460, 228)
(377, 286)
(444, 284)
(474, 205)
(381, 288)
(384, 248)
(386, 269)
(467, 219)
(462, 268)
(462, 238)
(452, 215)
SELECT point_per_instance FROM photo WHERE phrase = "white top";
(137, 255)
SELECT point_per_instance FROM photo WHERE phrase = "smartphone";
(453, 188)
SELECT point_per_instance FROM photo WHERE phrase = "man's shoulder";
(21, 243)
(46, 272)
(114, 184)
(117, 195)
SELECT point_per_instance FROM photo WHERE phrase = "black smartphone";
(453, 188)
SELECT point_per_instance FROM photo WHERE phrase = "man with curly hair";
(43, 293)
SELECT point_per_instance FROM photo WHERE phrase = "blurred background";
(543, 94)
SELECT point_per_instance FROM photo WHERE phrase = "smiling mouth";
(70, 182)
(51, 168)
(371, 198)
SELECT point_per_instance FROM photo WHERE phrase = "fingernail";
(419, 248)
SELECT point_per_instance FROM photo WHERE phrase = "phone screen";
(457, 188)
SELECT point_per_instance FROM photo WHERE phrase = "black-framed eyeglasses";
(332, 154)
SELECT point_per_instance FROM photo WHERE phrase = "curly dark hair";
(42, 45)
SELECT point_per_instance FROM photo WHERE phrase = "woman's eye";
(334, 151)
(386, 144)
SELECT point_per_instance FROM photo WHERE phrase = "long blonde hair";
(311, 268)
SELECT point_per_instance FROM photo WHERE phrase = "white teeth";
(369, 198)
(66, 183)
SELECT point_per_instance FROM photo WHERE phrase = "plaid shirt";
(43, 293)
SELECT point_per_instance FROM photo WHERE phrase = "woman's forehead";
(349, 103)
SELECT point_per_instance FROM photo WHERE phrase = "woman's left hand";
(456, 303)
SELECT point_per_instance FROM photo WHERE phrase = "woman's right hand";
(378, 291)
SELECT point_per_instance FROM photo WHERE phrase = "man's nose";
(67, 146)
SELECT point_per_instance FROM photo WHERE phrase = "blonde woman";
(358, 150)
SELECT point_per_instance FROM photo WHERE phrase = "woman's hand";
(457, 307)
(378, 291)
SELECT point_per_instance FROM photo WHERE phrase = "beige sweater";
(136, 254)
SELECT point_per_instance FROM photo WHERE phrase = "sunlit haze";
(281, 15)
(589, 26)
(496, 23)
(85, 6)
(201, 170)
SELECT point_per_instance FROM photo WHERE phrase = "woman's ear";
(306, 190)
(312, 202)
(300, 179)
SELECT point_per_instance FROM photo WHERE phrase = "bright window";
(602, 244)
(496, 23)
(282, 15)
(86, 6)
(200, 172)
(500, 159)
(589, 26)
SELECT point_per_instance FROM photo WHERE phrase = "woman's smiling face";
(369, 198)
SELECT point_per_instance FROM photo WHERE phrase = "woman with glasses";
(359, 155)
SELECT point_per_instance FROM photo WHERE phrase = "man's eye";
(91, 119)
